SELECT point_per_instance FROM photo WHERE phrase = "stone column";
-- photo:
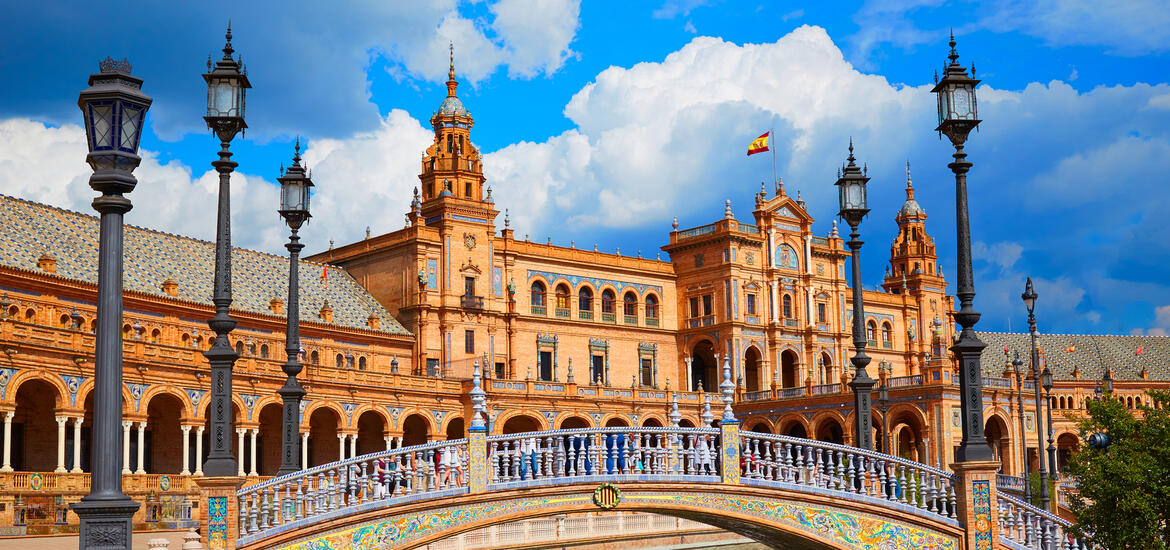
(199, 450)
(389, 442)
(775, 304)
(305, 450)
(77, 444)
(141, 448)
(61, 420)
(975, 497)
(255, 432)
(340, 446)
(7, 467)
(186, 450)
(126, 447)
(240, 446)
(353, 445)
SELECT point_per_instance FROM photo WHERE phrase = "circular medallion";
(34, 481)
(607, 496)
(164, 483)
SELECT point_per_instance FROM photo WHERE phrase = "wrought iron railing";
(901, 381)
(696, 231)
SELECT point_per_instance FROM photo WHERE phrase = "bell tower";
(452, 169)
(912, 256)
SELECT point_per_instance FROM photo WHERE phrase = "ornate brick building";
(392, 324)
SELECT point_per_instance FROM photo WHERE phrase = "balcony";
(793, 323)
(651, 321)
(701, 321)
(468, 301)
(586, 315)
(562, 312)
(630, 319)
(608, 317)
(539, 310)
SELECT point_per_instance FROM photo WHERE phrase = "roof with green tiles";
(32, 229)
(1090, 354)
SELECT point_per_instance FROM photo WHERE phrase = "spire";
(954, 57)
(727, 210)
(451, 82)
(909, 184)
(227, 47)
(297, 152)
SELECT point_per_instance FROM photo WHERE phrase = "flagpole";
(772, 146)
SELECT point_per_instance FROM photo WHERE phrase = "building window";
(467, 189)
(340, 363)
(821, 313)
(787, 306)
(607, 305)
(585, 303)
(630, 307)
(647, 371)
(562, 301)
(264, 351)
(501, 371)
(315, 358)
(871, 332)
(546, 366)
(707, 305)
(597, 369)
(538, 292)
(887, 335)
(652, 310)
(694, 303)
(751, 304)
(239, 348)
(361, 363)
(469, 341)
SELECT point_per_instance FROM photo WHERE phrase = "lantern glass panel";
(221, 98)
(101, 117)
(854, 196)
(131, 125)
(944, 107)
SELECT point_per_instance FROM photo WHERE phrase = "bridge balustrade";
(1026, 527)
(778, 459)
(330, 489)
(577, 453)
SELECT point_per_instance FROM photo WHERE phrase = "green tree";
(1124, 500)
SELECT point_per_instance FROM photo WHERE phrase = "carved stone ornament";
(469, 241)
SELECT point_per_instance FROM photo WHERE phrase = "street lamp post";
(114, 108)
(1018, 369)
(1046, 382)
(884, 401)
(226, 84)
(295, 186)
(1029, 296)
(851, 188)
(957, 116)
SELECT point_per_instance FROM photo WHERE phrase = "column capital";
(8, 415)
(186, 428)
(141, 425)
(199, 429)
(78, 420)
(126, 424)
(254, 431)
(62, 420)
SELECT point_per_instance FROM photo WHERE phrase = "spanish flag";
(760, 144)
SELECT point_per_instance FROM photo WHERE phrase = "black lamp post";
(956, 118)
(226, 84)
(294, 207)
(1029, 297)
(851, 187)
(114, 108)
(1018, 369)
(1046, 382)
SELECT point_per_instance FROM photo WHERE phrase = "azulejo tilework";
(836, 527)
(981, 503)
(217, 523)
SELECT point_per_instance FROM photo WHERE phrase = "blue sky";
(603, 120)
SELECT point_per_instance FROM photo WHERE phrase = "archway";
(829, 430)
(789, 370)
(34, 427)
(753, 369)
(574, 423)
(793, 428)
(324, 425)
(703, 367)
(455, 429)
(686, 423)
(415, 430)
(617, 422)
(521, 424)
(761, 427)
(905, 434)
(998, 438)
(270, 439)
(371, 429)
(163, 453)
(651, 423)
(1066, 445)
(826, 372)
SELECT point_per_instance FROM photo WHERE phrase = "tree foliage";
(1124, 500)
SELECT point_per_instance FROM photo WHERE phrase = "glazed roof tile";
(1090, 354)
(31, 229)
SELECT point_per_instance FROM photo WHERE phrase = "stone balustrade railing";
(325, 491)
(793, 461)
(1026, 527)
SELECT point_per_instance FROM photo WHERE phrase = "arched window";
(239, 348)
(64, 321)
(630, 307)
(538, 292)
(563, 299)
(887, 335)
(340, 361)
(787, 306)
(264, 351)
(871, 332)
(126, 332)
(30, 314)
(651, 309)
(315, 358)
(607, 300)
(585, 302)
(361, 363)
(186, 339)
(155, 336)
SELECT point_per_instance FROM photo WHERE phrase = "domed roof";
(452, 106)
(911, 208)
